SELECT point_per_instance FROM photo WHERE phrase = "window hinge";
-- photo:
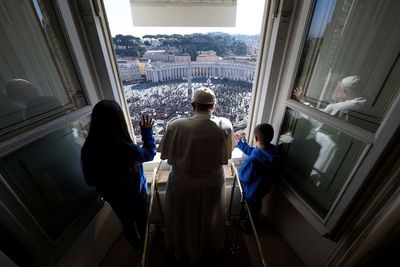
(276, 11)
(96, 8)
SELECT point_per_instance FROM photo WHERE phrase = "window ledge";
(302, 207)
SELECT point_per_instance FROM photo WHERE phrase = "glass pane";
(350, 62)
(33, 75)
(318, 159)
(51, 184)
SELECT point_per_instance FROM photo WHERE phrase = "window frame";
(281, 88)
(71, 21)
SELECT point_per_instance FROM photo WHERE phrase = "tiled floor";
(120, 255)
(275, 251)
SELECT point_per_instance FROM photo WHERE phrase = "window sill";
(237, 159)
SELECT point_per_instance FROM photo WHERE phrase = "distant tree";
(238, 48)
(148, 36)
(128, 45)
(222, 43)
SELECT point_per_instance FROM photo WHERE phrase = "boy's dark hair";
(264, 132)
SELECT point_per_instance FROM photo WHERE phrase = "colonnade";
(160, 72)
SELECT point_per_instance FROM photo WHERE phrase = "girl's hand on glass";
(298, 94)
(146, 122)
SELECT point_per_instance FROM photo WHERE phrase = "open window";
(335, 104)
(160, 67)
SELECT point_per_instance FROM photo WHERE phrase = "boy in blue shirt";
(257, 171)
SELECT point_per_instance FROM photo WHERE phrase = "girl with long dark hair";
(113, 164)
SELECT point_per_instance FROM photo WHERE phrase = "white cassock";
(196, 147)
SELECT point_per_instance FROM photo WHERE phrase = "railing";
(243, 206)
(149, 211)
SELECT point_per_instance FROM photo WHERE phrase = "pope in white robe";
(196, 147)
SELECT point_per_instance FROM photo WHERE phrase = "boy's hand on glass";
(146, 122)
(238, 137)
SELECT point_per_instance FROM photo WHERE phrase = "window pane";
(350, 62)
(34, 75)
(318, 159)
(51, 184)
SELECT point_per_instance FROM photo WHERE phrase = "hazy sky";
(248, 20)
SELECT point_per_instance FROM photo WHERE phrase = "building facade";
(129, 72)
(207, 56)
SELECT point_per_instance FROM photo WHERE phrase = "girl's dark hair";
(108, 124)
(107, 150)
(265, 132)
